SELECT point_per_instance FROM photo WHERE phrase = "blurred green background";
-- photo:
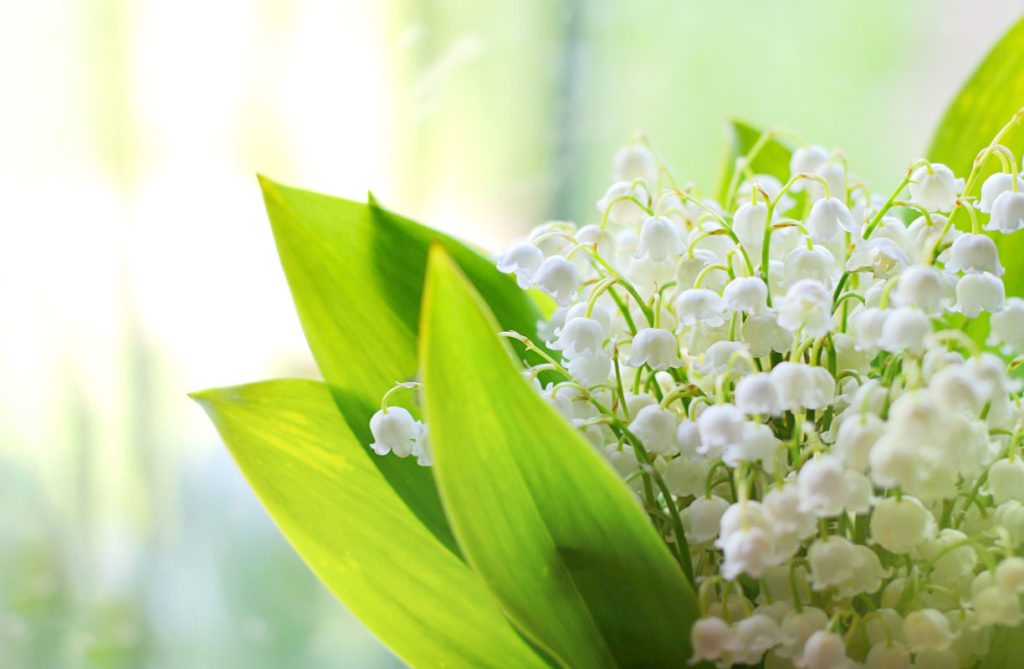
(136, 263)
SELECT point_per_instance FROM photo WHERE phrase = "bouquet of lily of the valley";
(776, 424)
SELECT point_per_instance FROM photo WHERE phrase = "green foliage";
(544, 521)
(771, 158)
(356, 272)
(335, 507)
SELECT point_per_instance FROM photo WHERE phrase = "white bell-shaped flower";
(699, 305)
(782, 507)
(758, 445)
(956, 389)
(882, 257)
(994, 186)
(763, 334)
(559, 278)
(522, 260)
(816, 263)
(581, 336)
(905, 328)
(704, 518)
(900, 525)
(654, 347)
(591, 369)
(1008, 324)
(807, 160)
(974, 253)
(753, 637)
(835, 176)
(893, 655)
(797, 627)
(935, 187)
(1007, 213)
(659, 239)
(691, 267)
(603, 239)
(720, 426)
(919, 286)
(825, 650)
(756, 394)
(997, 606)
(395, 431)
(635, 161)
(926, 628)
(688, 438)
(625, 212)
(979, 292)
(828, 219)
(685, 476)
(746, 294)
(807, 306)
(710, 638)
(748, 223)
(856, 437)
(822, 487)
(746, 551)
(1006, 480)
(656, 427)
(1010, 574)
(866, 325)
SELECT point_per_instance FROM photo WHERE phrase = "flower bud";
(710, 637)
(1008, 324)
(720, 426)
(756, 394)
(704, 517)
(905, 329)
(625, 212)
(822, 487)
(926, 628)
(919, 286)
(1006, 480)
(825, 650)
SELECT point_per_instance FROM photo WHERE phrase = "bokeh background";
(136, 263)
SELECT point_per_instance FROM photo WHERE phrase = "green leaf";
(773, 158)
(983, 106)
(328, 498)
(356, 274)
(557, 537)
(1006, 649)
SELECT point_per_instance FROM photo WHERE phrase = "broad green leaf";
(773, 158)
(991, 96)
(331, 502)
(557, 537)
(356, 274)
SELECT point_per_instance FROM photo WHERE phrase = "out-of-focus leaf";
(356, 275)
(554, 533)
(345, 520)
(1006, 650)
(983, 106)
(773, 158)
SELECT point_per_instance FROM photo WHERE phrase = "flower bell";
(1007, 213)
(522, 260)
(659, 239)
(807, 306)
(828, 218)
(974, 253)
(746, 294)
(559, 278)
(935, 187)
(580, 337)
(699, 305)
(979, 292)
(635, 161)
(395, 431)
(654, 347)
(994, 186)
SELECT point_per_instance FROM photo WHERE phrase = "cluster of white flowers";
(784, 380)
